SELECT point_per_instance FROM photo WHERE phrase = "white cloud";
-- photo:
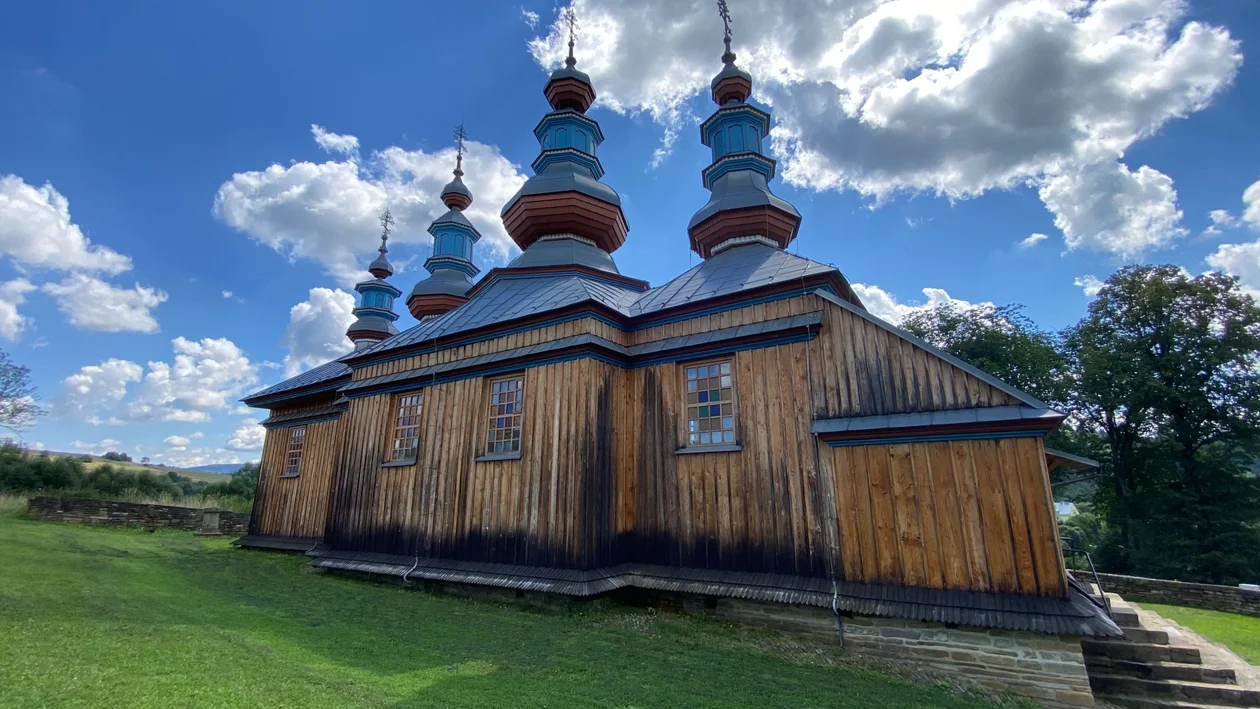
(1032, 240)
(98, 447)
(1089, 284)
(177, 441)
(317, 329)
(530, 18)
(1241, 260)
(1221, 219)
(954, 98)
(192, 457)
(327, 212)
(227, 294)
(1106, 207)
(885, 305)
(95, 389)
(1251, 210)
(12, 294)
(333, 142)
(249, 437)
(36, 230)
(93, 304)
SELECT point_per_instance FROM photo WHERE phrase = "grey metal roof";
(565, 177)
(739, 190)
(735, 269)
(456, 186)
(453, 216)
(445, 281)
(317, 375)
(934, 418)
(1072, 461)
(322, 411)
(556, 252)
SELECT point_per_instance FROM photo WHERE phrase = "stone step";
(1122, 613)
(1142, 635)
(1161, 670)
(1140, 652)
(1152, 703)
(1176, 690)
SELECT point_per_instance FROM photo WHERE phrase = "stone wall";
(112, 513)
(1048, 668)
(1176, 593)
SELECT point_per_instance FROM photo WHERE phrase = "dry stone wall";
(113, 513)
(1230, 599)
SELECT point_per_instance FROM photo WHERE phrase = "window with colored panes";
(710, 405)
(407, 427)
(293, 454)
(506, 397)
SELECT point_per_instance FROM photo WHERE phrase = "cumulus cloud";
(530, 18)
(1032, 240)
(1090, 285)
(333, 142)
(12, 294)
(93, 304)
(95, 389)
(886, 306)
(177, 441)
(317, 329)
(953, 98)
(204, 377)
(1241, 260)
(249, 437)
(1251, 205)
(97, 447)
(36, 230)
(327, 212)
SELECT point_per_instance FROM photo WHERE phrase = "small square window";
(710, 404)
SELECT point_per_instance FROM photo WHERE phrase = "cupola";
(375, 316)
(450, 266)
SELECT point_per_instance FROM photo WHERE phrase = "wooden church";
(745, 433)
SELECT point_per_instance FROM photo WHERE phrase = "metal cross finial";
(725, 12)
(460, 136)
(387, 220)
(569, 17)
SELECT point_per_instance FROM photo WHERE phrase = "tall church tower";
(450, 266)
(375, 316)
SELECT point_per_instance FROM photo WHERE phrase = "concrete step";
(1176, 690)
(1122, 613)
(1152, 703)
(1161, 670)
(1140, 652)
(1142, 635)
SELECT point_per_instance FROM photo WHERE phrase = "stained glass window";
(293, 454)
(407, 427)
(710, 404)
(506, 397)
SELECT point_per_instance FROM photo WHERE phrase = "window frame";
(399, 401)
(292, 467)
(489, 414)
(688, 446)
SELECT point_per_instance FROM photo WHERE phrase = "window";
(293, 455)
(407, 427)
(506, 396)
(710, 405)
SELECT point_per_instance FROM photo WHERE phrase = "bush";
(117, 457)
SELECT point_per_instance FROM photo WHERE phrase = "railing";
(1075, 555)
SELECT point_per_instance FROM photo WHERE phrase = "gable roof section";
(326, 373)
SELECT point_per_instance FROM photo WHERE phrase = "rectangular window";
(710, 404)
(506, 397)
(293, 454)
(407, 427)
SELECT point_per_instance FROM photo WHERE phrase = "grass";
(1240, 633)
(117, 617)
(97, 461)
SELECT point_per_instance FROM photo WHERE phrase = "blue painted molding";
(933, 437)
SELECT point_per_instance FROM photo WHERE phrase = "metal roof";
(557, 252)
(934, 418)
(323, 373)
(736, 269)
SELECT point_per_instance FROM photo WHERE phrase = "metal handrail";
(1102, 593)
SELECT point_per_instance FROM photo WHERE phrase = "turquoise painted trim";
(454, 227)
(743, 114)
(932, 437)
(454, 263)
(551, 156)
(568, 116)
(373, 310)
(620, 363)
(737, 161)
(301, 422)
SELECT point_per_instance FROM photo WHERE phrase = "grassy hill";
(97, 461)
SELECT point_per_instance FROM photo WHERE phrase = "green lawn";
(1240, 633)
(108, 617)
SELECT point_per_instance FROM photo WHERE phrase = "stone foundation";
(112, 513)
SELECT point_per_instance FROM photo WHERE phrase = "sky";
(188, 192)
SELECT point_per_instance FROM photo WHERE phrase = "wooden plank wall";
(549, 508)
(297, 506)
(974, 515)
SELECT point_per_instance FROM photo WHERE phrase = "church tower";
(375, 316)
(565, 199)
(450, 266)
(742, 208)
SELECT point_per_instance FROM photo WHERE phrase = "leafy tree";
(18, 409)
(117, 457)
(1001, 341)
(244, 482)
(145, 460)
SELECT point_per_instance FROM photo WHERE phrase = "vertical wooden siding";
(971, 515)
(296, 506)
(551, 507)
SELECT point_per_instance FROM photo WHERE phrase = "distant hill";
(223, 468)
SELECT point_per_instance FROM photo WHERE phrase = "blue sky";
(175, 231)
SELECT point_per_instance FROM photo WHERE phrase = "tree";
(18, 409)
(117, 457)
(145, 460)
(1001, 341)
(1164, 367)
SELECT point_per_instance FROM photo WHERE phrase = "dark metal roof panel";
(933, 418)
(323, 373)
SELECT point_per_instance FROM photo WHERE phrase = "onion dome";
(565, 195)
(450, 265)
(375, 316)
(742, 208)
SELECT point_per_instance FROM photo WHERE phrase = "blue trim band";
(933, 437)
